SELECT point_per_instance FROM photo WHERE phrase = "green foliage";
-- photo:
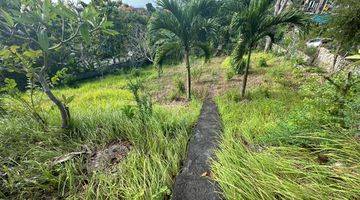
(135, 72)
(143, 100)
(128, 111)
(26, 106)
(182, 26)
(99, 118)
(262, 63)
(226, 64)
(179, 89)
(240, 67)
(230, 74)
(61, 74)
(344, 24)
(294, 128)
(179, 85)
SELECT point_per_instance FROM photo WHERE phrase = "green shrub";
(239, 67)
(262, 63)
(179, 85)
(226, 63)
(230, 74)
(135, 72)
(143, 100)
(128, 111)
(233, 95)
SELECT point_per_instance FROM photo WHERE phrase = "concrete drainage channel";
(194, 182)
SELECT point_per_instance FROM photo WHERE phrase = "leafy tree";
(24, 62)
(224, 36)
(344, 26)
(252, 23)
(183, 26)
(46, 27)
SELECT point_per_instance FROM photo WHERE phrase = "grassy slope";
(26, 151)
(271, 146)
(283, 143)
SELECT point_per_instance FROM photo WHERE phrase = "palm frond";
(238, 54)
(174, 7)
(291, 16)
(203, 8)
(202, 28)
(233, 6)
(205, 49)
(163, 20)
(164, 50)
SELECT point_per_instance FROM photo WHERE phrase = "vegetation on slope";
(102, 114)
(288, 140)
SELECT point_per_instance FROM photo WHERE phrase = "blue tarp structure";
(321, 19)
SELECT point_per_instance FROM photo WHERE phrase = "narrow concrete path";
(194, 183)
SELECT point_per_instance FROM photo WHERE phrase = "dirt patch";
(111, 154)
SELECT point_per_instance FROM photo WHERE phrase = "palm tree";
(252, 23)
(182, 26)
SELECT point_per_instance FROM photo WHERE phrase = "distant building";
(317, 6)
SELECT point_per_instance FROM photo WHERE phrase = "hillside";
(283, 132)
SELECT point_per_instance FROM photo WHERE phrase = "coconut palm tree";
(252, 23)
(183, 26)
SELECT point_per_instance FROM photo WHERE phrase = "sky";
(138, 3)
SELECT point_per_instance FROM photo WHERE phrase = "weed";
(179, 85)
(229, 74)
(262, 63)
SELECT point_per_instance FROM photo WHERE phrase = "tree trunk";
(335, 57)
(277, 7)
(268, 44)
(187, 63)
(246, 74)
(64, 111)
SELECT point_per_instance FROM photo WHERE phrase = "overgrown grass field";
(287, 141)
(103, 111)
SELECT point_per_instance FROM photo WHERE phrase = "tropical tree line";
(44, 40)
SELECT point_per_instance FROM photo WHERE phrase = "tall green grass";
(284, 143)
(147, 172)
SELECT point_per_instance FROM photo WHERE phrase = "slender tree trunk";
(187, 62)
(64, 111)
(268, 44)
(246, 74)
(336, 57)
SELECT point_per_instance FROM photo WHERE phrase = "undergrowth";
(286, 142)
(103, 111)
